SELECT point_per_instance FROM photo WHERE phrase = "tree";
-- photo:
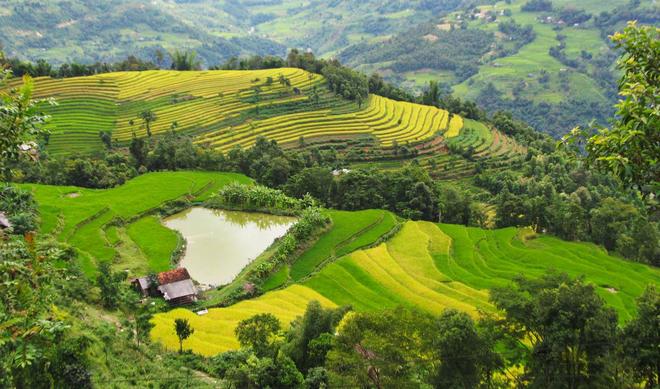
(630, 149)
(138, 317)
(30, 328)
(458, 350)
(110, 284)
(641, 338)
(184, 60)
(138, 149)
(148, 117)
(306, 343)
(259, 333)
(382, 350)
(106, 138)
(431, 96)
(160, 57)
(20, 122)
(249, 371)
(572, 333)
(183, 331)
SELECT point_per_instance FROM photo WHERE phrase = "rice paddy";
(223, 109)
(430, 267)
(93, 221)
(214, 331)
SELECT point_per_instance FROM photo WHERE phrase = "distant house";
(175, 286)
(4, 221)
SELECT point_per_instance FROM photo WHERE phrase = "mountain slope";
(426, 266)
(223, 109)
(108, 31)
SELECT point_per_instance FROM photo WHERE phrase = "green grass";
(156, 241)
(350, 230)
(276, 280)
(79, 216)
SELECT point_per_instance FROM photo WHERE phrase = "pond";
(220, 243)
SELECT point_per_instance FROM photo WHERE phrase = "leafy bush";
(20, 208)
(252, 198)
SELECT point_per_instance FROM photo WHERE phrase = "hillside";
(423, 265)
(427, 266)
(500, 54)
(224, 109)
(108, 31)
(529, 62)
(116, 224)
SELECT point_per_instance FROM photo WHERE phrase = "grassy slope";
(156, 241)
(432, 267)
(81, 218)
(534, 56)
(214, 332)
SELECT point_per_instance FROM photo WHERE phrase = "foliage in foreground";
(555, 332)
(630, 149)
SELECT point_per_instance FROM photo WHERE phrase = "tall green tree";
(630, 149)
(310, 337)
(110, 284)
(184, 60)
(259, 333)
(571, 330)
(642, 338)
(139, 150)
(383, 350)
(459, 351)
(29, 324)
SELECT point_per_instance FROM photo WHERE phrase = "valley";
(329, 194)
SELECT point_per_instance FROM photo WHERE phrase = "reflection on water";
(221, 243)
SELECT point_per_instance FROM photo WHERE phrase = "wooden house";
(175, 286)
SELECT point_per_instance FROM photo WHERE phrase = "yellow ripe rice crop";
(426, 266)
(214, 331)
(388, 120)
(221, 109)
(455, 126)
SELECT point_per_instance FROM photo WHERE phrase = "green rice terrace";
(367, 259)
(223, 109)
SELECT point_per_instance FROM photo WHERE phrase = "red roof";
(175, 275)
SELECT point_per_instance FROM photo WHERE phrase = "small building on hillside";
(175, 286)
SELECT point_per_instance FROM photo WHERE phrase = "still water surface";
(220, 243)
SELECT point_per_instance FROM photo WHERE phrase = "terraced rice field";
(387, 120)
(222, 109)
(455, 126)
(85, 218)
(430, 267)
(487, 145)
(214, 332)
(350, 231)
